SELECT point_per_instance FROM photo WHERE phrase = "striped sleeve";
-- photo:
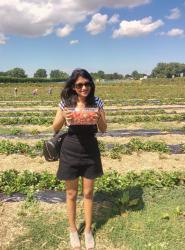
(62, 105)
(99, 103)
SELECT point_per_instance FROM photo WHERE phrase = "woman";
(80, 154)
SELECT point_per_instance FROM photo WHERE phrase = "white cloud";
(74, 42)
(65, 31)
(2, 39)
(173, 32)
(114, 19)
(174, 14)
(97, 24)
(136, 28)
(34, 18)
(94, 4)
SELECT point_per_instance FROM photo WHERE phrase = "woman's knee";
(71, 194)
(88, 194)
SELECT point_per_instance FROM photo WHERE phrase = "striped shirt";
(98, 103)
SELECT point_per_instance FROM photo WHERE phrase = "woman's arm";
(59, 120)
(102, 124)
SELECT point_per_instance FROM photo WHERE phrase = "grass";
(149, 89)
(155, 221)
(160, 225)
(44, 230)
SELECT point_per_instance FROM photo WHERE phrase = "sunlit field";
(140, 201)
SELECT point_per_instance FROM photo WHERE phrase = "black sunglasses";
(80, 85)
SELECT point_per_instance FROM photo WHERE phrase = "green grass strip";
(14, 181)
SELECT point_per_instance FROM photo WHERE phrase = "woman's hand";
(97, 116)
(102, 124)
(68, 115)
(59, 120)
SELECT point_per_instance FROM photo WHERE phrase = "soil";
(147, 125)
(135, 162)
(168, 139)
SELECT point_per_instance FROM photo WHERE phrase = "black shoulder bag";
(51, 148)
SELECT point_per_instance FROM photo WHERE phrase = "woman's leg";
(88, 186)
(71, 195)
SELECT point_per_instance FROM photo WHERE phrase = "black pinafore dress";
(80, 154)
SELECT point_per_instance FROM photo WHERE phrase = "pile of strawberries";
(83, 117)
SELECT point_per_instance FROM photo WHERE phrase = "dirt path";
(136, 162)
(168, 139)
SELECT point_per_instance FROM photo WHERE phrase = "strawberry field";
(142, 193)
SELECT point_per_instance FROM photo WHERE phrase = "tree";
(94, 75)
(64, 75)
(40, 73)
(55, 74)
(3, 73)
(168, 69)
(117, 76)
(101, 74)
(127, 76)
(135, 75)
(16, 72)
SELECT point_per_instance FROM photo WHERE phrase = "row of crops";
(108, 113)
(110, 150)
(115, 101)
(37, 120)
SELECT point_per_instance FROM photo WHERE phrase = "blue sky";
(109, 35)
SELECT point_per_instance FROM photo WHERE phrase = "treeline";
(162, 70)
(40, 73)
(102, 75)
(18, 75)
(55, 75)
(6, 79)
(168, 70)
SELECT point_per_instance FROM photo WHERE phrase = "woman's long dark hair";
(69, 96)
